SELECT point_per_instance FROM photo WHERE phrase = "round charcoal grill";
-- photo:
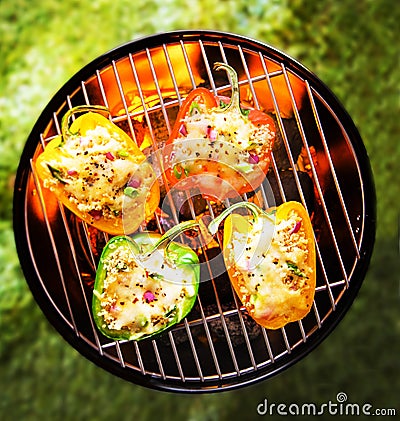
(318, 159)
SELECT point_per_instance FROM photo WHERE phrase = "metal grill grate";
(319, 160)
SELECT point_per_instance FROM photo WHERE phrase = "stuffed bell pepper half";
(97, 171)
(145, 284)
(270, 259)
(217, 145)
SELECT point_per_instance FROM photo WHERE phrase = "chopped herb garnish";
(171, 312)
(194, 108)
(131, 192)
(178, 170)
(156, 276)
(295, 269)
(56, 173)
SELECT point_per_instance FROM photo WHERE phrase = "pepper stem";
(252, 207)
(234, 103)
(171, 234)
(65, 131)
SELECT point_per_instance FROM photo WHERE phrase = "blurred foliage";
(352, 47)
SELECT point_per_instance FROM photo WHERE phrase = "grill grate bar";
(194, 350)
(250, 80)
(285, 137)
(209, 339)
(121, 91)
(187, 61)
(318, 186)
(56, 256)
(119, 353)
(268, 345)
(302, 331)
(173, 77)
(157, 85)
(222, 318)
(176, 356)
(246, 336)
(102, 89)
(325, 277)
(84, 91)
(87, 246)
(208, 67)
(139, 357)
(286, 340)
(158, 358)
(280, 125)
(316, 313)
(142, 99)
(332, 167)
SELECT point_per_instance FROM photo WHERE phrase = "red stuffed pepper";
(217, 146)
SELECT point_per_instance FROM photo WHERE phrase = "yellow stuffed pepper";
(271, 262)
(97, 171)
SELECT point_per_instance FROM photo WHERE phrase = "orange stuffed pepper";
(217, 145)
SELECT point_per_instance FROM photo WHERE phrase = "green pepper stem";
(234, 103)
(171, 234)
(252, 207)
(65, 131)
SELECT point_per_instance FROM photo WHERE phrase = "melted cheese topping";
(142, 300)
(271, 264)
(94, 170)
(221, 136)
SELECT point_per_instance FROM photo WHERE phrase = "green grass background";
(353, 47)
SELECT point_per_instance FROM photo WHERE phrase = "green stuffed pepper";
(145, 284)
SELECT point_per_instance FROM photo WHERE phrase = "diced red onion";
(296, 227)
(134, 182)
(149, 296)
(110, 156)
(211, 134)
(254, 159)
(72, 172)
(96, 214)
(182, 130)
